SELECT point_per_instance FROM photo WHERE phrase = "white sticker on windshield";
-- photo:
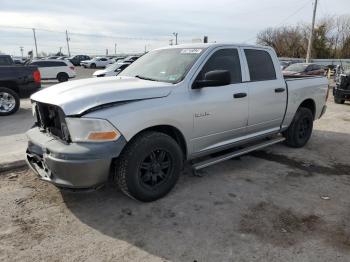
(191, 51)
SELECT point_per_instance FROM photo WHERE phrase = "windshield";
(296, 68)
(166, 65)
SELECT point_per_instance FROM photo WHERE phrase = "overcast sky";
(138, 24)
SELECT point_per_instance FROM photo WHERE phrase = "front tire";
(338, 100)
(9, 101)
(93, 65)
(149, 167)
(62, 77)
(299, 131)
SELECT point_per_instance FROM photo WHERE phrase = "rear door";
(44, 69)
(267, 91)
(103, 62)
(220, 112)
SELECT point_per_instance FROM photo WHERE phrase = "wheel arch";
(10, 85)
(62, 73)
(309, 104)
(169, 130)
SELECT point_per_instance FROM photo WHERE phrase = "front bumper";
(28, 89)
(74, 165)
(341, 93)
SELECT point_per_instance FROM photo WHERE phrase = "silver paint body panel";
(209, 118)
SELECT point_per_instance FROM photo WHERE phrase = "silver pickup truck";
(175, 104)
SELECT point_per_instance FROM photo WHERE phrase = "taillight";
(71, 67)
(37, 76)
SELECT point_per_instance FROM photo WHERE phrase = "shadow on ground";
(11, 124)
(234, 205)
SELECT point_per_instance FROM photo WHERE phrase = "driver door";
(220, 113)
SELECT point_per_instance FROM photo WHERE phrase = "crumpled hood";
(75, 97)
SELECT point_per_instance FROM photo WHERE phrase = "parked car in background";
(284, 64)
(116, 58)
(341, 91)
(112, 70)
(16, 82)
(173, 104)
(131, 58)
(303, 69)
(18, 60)
(61, 70)
(75, 60)
(62, 57)
(96, 62)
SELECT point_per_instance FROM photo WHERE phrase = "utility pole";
(60, 50)
(36, 46)
(67, 38)
(175, 34)
(308, 54)
(21, 48)
(115, 48)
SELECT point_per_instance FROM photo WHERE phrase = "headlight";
(34, 108)
(91, 130)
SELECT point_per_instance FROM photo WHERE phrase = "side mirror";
(213, 78)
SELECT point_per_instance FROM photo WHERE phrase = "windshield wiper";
(146, 78)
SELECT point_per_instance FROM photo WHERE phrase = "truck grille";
(51, 119)
(344, 82)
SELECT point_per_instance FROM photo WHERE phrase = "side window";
(46, 64)
(316, 67)
(60, 64)
(123, 67)
(35, 63)
(40, 64)
(224, 59)
(260, 65)
(309, 68)
(103, 59)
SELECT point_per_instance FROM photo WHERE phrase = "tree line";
(331, 38)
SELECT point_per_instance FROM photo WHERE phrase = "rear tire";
(149, 167)
(9, 101)
(300, 130)
(338, 100)
(62, 77)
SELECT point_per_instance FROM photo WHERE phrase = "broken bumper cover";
(74, 165)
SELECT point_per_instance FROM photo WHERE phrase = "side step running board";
(239, 152)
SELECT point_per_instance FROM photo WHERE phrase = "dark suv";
(16, 81)
(75, 60)
(341, 91)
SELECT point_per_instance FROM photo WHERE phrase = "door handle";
(239, 95)
(279, 90)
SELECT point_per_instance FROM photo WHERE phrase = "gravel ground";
(277, 204)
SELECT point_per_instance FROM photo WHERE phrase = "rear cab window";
(260, 65)
(5, 60)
